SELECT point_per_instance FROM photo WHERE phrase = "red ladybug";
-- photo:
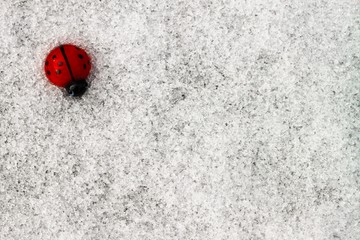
(68, 66)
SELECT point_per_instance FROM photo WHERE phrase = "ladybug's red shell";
(66, 64)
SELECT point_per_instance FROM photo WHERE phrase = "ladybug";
(68, 66)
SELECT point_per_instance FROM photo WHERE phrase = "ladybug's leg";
(77, 88)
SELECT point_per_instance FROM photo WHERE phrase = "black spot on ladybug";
(54, 56)
(60, 63)
(46, 63)
(80, 56)
(84, 66)
(58, 71)
(48, 72)
(77, 48)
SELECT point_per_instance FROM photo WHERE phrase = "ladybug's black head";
(77, 88)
